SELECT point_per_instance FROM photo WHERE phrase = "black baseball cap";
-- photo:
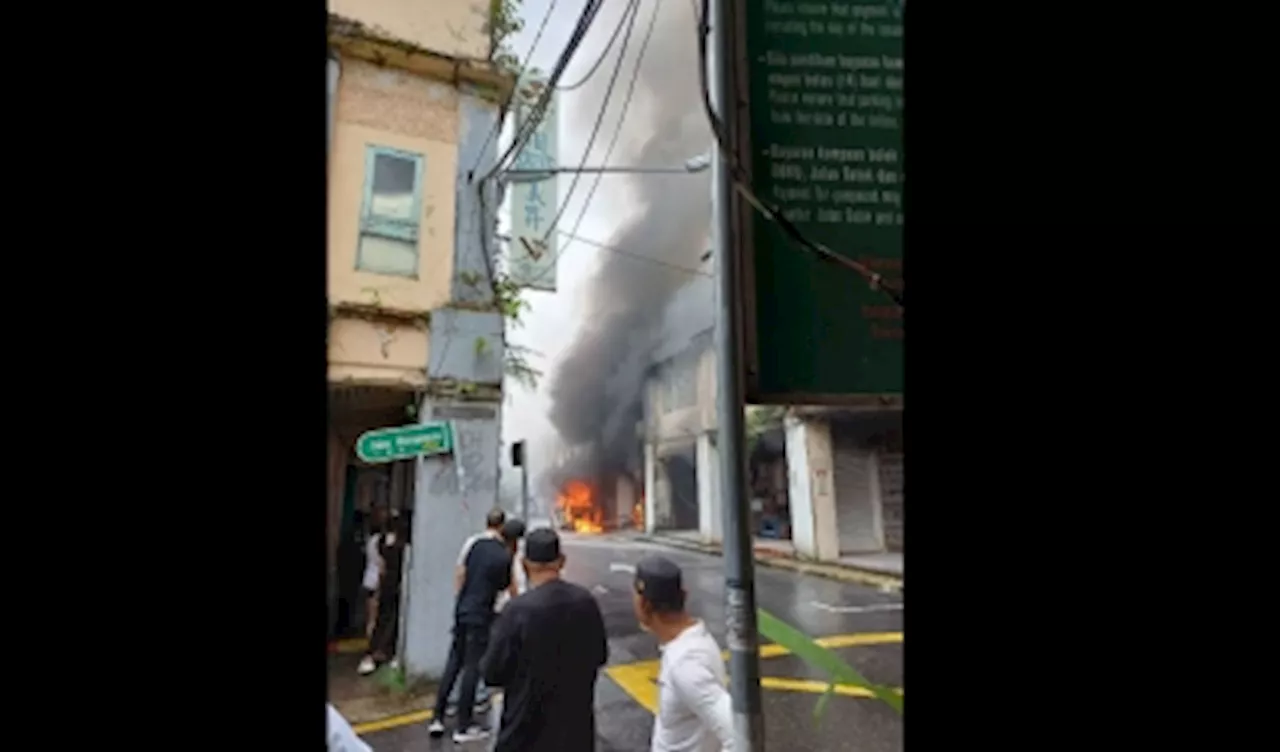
(660, 582)
(542, 546)
(513, 529)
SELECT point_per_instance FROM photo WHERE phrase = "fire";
(577, 503)
(637, 514)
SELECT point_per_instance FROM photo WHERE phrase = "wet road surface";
(863, 624)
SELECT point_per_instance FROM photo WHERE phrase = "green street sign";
(825, 111)
(405, 442)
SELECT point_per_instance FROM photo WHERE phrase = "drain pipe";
(334, 72)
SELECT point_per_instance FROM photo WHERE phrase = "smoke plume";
(596, 390)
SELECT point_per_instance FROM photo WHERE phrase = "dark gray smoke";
(596, 390)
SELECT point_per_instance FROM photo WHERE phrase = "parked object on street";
(340, 735)
(546, 653)
(694, 711)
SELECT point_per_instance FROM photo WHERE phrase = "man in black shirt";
(487, 573)
(547, 649)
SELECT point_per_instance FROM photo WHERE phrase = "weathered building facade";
(414, 332)
(828, 479)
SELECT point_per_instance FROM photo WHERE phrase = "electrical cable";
(506, 104)
(621, 252)
(539, 108)
(631, 87)
(604, 109)
(742, 184)
(631, 6)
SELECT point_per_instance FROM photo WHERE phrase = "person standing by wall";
(390, 552)
(486, 573)
(495, 521)
(372, 569)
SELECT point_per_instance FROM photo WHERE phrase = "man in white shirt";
(694, 709)
(340, 734)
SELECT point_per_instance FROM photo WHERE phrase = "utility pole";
(739, 565)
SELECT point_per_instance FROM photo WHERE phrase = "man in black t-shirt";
(547, 649)
(487, 573)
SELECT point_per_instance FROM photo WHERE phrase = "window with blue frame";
(391, 216)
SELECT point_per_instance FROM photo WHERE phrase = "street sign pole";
(524, 493)
(740, 599)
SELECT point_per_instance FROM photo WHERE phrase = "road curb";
(840, 572)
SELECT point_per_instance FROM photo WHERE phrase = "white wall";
(710, 520)
(810, 488)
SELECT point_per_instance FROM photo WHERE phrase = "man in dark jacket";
(546, 652)
(487, 573)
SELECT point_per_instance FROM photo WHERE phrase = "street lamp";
(692, 165)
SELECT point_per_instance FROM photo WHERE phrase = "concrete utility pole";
(740, 599)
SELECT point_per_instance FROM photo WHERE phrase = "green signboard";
(825, 145)
(404, 442)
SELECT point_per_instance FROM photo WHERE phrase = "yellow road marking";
(815, 686)
(395, 721)
(640, 679)
(353, 645)
(837, 641)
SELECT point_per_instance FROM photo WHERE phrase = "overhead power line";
(631, 8)
(506, 104)
(538, 110)
(622, 252)
(630, 12)
(631, 88)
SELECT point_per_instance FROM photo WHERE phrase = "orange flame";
(637, 514)
(577, 503)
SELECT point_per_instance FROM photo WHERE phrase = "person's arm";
(700, 691)
(499, 662)
(505, 582)
(460, 571)
(514, 588)
(599, 638)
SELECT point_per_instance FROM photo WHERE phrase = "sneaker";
(367, 666)
(471, 733)
(436, 729)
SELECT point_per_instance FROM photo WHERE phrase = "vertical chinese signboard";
(531, 259)
(824, 143)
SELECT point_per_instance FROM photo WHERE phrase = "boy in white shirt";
(694, 709)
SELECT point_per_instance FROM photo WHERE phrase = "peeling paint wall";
(390, 108)
(388, 353)
(454, 493)
(458, 28)
(477, 150)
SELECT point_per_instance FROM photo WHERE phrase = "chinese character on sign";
(533, 215)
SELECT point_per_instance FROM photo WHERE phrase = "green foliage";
(504, 23)
(760, 418)
(808, 650)
(392, 679)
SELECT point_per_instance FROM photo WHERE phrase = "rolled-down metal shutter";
(892, 495)
(855, 511)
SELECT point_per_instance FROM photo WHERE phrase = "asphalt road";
(864, 626)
